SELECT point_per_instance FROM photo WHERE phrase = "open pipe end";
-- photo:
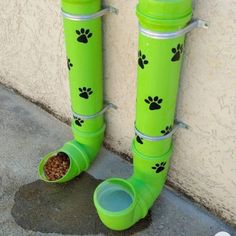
(78, 153)
(50, 170)
(74, 157)
(116, 200)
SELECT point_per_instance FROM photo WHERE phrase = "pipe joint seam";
(170, 35)
(90, 117)
(98, 14)
(178, 124)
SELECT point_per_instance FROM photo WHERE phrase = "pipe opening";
(57, 166)
(115, 195)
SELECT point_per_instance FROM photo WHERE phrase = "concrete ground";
(29, 206)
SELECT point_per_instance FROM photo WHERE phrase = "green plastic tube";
(84, 60)
(121, 203)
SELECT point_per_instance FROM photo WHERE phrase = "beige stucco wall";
(32, 60)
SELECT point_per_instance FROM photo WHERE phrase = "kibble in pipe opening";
(57, 166)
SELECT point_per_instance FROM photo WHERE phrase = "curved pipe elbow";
(81, 152)
(91, 142)
(121, 203)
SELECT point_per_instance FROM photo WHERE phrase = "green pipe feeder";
(83, 39)
(121, 203)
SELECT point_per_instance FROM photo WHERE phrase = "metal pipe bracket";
(98, 14)
(170, 35)
(178, 124)
(90, 117)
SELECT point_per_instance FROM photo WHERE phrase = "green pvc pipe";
(84, 59)
(121, 203)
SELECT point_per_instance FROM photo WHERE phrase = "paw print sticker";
(69, 64)
(154, 103)
(139, 139)
(84, 35)
(159, 167)
(78, 121)
(177, 52)
(167, 130)
(85, 92)
(142, 61)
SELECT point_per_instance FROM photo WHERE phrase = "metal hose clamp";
(89, 17)
(178, 124)
(170, 35)
(90, 117)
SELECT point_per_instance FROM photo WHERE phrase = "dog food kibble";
(57, 166)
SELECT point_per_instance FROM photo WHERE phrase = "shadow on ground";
(66, 208)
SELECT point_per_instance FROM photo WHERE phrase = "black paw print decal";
(154, 103)
(167, 130)
(84, 35)
(177, 52)
(159, 167)
(85, 92)
(142, 61)
(78, 121)
(69, 64)
(139, 139)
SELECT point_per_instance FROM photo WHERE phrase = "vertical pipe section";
(84, 57)
(159, 65)
(83, 40)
